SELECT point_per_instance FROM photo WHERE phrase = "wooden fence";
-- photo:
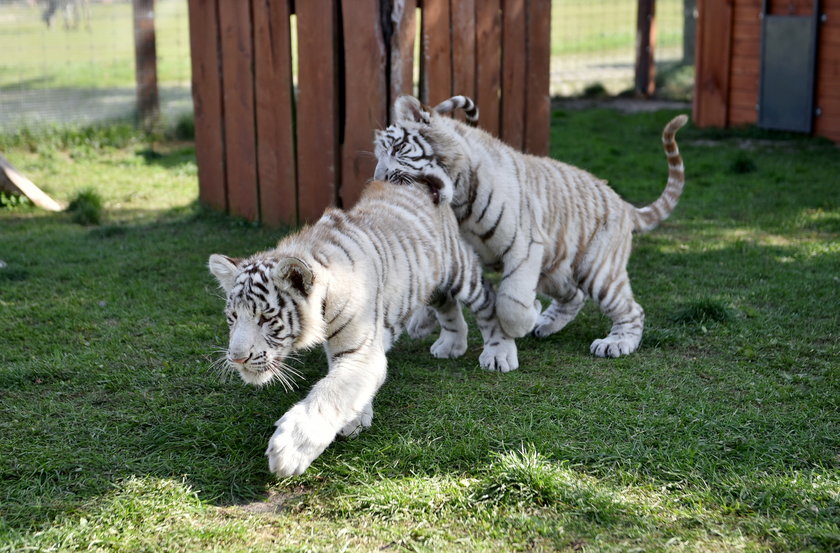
(728, 66)
(271, 151)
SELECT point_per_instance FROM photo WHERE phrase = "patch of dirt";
(274, 503)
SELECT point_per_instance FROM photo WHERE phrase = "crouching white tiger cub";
(546, 225)
(351, 281)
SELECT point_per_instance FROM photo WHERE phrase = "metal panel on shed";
(788, 61)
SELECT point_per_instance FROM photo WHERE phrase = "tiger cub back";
(550, 227)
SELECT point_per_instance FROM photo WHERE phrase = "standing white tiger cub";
(350, 282)
(548, 226)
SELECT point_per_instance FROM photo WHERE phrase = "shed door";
(788, 63)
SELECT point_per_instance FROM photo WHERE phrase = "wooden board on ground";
(12, 180)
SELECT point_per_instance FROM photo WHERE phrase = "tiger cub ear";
(224, 269)
(408, 109)
(292, 273)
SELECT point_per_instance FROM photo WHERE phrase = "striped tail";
(460, 102)
(648, 217)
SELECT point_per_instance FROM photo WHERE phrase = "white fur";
(353, 279)
(544, 224)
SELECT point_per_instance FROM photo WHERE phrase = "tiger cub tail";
(460, 102)
(648, 217)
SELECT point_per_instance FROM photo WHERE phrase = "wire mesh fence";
(594, 44)
(72, 61)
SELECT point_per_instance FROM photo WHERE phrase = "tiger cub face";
(265, 299)
(414, 147)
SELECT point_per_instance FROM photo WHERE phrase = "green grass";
(36, 57)
(608, 27)
(719, 434)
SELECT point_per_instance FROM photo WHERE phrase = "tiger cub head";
(270, 314)
(419, 147)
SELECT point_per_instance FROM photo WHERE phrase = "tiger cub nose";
(239, 360)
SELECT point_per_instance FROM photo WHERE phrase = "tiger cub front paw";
(615, 346)
(517, 317)
(499, 356)
(299, 439)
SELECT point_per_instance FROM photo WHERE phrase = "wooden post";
(274, 113)
(645, 42)
(463, 48)
(317, 108)
(238, 101)
(145, 55)
(537, 95)
(403, 30)
(207, 103)
(366, 94)
(435, 52)
(711, 83)
(488, 66)
(513, 72)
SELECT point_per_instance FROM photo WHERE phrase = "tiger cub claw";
(449, 346)
(613, 346)
(501, 357)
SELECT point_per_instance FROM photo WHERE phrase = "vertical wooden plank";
(645, 43)
(145, 67)
(404, 29)
(744, 59)
(538, 99)
(273, 97)
(366, 94)
(513, 72)
(827, 94)
(238, 100)
(436, 52)
(711, 84)
(207, 103)
(488, 67)
(317, 107)
(463, 48)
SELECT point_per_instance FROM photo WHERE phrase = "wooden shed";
(279, 144)
(774, 63)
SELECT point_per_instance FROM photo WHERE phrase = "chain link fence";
(72, 61)
(594, 47)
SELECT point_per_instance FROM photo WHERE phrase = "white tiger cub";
(351, 281)
(548, 226)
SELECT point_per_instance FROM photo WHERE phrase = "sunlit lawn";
(719, 434)
(101, 56)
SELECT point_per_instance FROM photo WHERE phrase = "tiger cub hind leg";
(353, 428)
(452, 341)
(616, 301)
(422, 322)
(559, 314)
(499, 352)
(567, 299)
